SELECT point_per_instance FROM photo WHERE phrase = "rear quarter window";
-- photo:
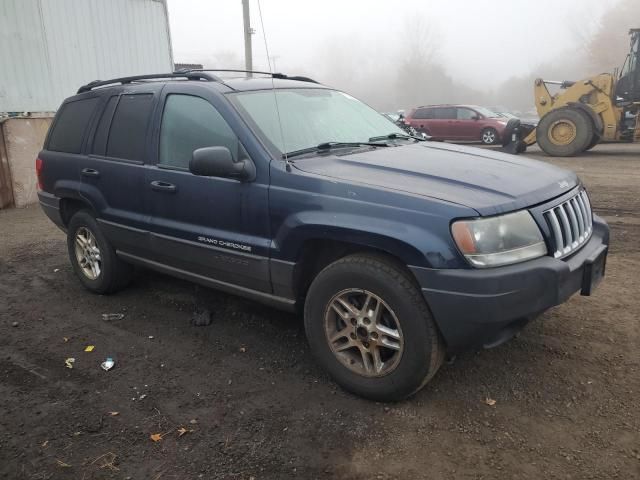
(71, 125)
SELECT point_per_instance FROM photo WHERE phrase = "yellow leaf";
(69, 362)
(89, 348)
(156, 437)
(490, 401)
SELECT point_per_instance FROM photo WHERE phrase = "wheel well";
(69, 207)
(317, 254)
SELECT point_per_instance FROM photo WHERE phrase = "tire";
(565, 132)
(595, 140)
(88, 247)
(489, 136)
(404, 323)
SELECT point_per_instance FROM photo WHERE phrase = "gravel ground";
(251, 403)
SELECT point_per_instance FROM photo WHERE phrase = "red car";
(458, 122)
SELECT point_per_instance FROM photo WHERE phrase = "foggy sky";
(480, 43)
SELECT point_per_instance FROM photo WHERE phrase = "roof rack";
(189, 75)
(272, 74)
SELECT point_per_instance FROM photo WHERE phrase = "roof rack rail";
(272, 74)
(189, 75)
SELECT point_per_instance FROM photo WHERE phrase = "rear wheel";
(369, 326)
(489, 136)
(93, 258)
(565, 132)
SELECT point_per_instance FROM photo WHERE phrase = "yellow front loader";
(603, 108)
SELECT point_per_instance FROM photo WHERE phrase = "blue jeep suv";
(399, 251)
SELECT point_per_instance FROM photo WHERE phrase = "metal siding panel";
(22, 39)
(53, 47)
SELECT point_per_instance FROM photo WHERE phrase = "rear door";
(439, 122)
(113, 173)
(217, 228)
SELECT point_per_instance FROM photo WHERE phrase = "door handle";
(90, 172)
(160, 186)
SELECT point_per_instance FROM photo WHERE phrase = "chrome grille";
(570, 223)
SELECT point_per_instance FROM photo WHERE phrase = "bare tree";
(609, 45)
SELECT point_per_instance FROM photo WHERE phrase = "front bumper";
(487, 306)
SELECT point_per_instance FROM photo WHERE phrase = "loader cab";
(628, 85)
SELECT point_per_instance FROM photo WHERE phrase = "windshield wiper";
(324, 147)
(393, 136)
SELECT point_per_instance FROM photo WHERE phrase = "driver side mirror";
(218, 162)
(475, 117)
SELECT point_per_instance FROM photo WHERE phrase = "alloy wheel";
(488, 137)
(88, 253)
(363, 332)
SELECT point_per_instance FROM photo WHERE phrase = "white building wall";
(49, 48)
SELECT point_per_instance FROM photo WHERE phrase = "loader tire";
(565, 132)
(595, 140)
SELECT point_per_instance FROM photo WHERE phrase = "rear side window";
(446, 113)
(189, 123)
(127, 137)
(71, 125)
(102, 132)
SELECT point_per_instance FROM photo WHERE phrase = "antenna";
(273, 88)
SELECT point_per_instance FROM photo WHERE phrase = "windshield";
(486, 112)
(310, 117)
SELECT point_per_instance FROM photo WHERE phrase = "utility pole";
(248, 31)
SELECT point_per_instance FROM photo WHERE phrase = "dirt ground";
(255, 405)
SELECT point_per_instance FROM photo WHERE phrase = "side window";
(447, 113)
(102, 132)
(189, 123)
(127, 136)
(465, 114)
(70, 126)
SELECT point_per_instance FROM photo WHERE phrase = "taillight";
(39, 173)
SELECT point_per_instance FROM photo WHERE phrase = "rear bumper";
(51, 207)
(476, 307)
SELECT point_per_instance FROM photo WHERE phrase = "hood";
(487, 181)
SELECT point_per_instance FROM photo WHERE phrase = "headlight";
(502, 240)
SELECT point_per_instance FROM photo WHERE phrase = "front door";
(216, 228)
(467, 124)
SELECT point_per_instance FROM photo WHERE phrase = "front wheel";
(565, 132)
(369, 326)
(489, 136)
